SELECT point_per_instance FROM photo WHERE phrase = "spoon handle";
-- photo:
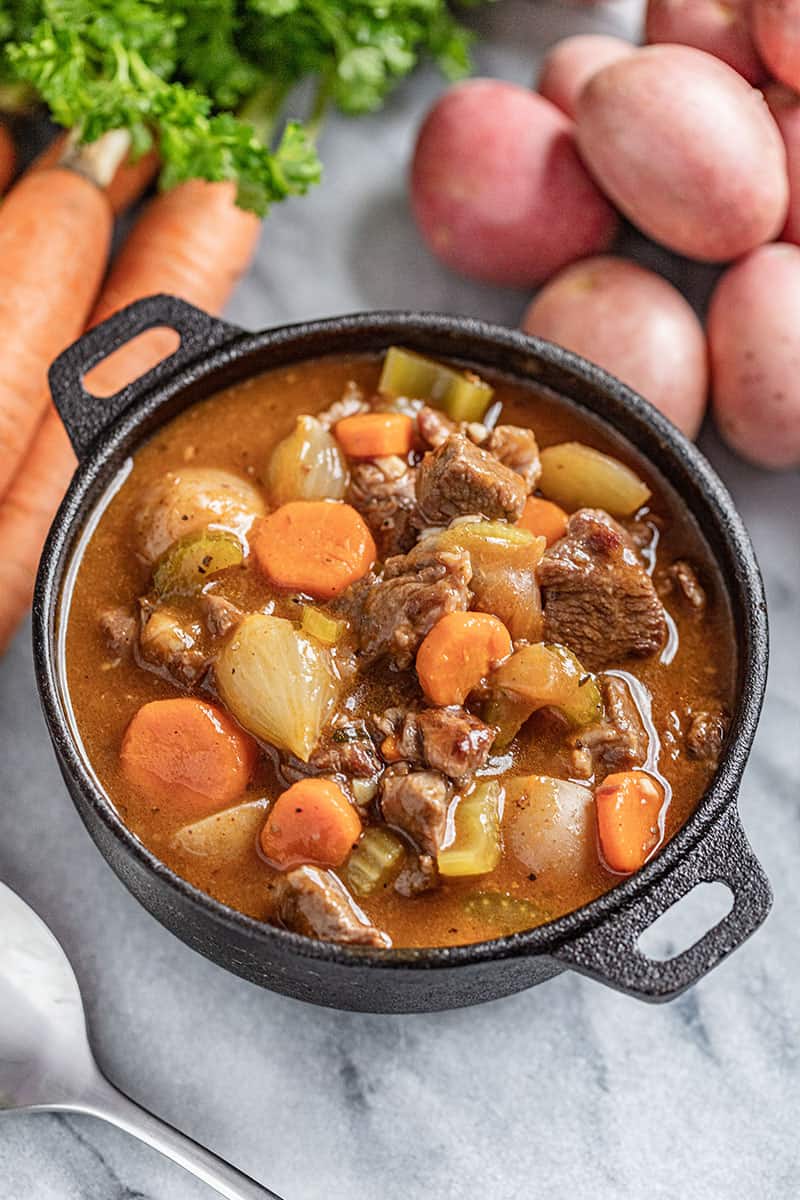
(107, 1102)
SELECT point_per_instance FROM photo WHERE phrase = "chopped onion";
(307, 465)
(504, 561)
(278, 683)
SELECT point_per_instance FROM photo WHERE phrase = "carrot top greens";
(208, 80)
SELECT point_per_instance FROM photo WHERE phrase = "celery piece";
(503, 912)
(320, 626)
(544, 675)
(507, 714)
(375, 861)
(578, 476)
(476, 846)
(188, 564)
(461, 394)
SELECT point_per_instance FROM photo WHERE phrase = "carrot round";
(460, 651)
(187, 752)
(192, 242)
(544, 519)
(629, 806)
(130, 180)
(311, 822)
(8, 158)
(318, 547)
(375, 434)
(55, 233)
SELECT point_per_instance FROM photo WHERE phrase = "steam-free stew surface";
(679, 693)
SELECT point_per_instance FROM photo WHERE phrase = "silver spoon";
(46, 1063)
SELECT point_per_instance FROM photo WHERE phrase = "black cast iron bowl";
(601, 939)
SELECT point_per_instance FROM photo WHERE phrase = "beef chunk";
(518, 449)
(415, 591)
(352, 402)
(459, 478)
(119, 627)
(171, 643)
(434, 426)
(450, 740)
(349, 606)
(417, 876)
(383, 492)
(343, 755)
(221, 616)
(598, 598)
(617, 742)
(706, 734)
(316, 903)
(681, 579)
(416, 802)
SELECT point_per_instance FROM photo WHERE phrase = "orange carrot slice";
(318, 547)
(311, 822)
(460, 651)
(375, 434)
(629, 806)
(544, 519)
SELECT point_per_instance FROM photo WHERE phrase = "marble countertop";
(568, 1090)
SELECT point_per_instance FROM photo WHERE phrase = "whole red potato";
(570, 63)
(687, 150)
(784, 105)
(753, 339)
(634, 324)
(498, 189)
(720, 27)
(776, 31)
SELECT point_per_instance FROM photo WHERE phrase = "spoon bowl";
(46, 1061)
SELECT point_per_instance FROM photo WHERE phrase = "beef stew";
(563, 685)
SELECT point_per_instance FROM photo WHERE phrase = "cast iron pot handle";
(609, 951)
(86, 416)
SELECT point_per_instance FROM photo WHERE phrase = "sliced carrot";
(130, 180)
(311, 822)
(390, 749)
(460, 651)
(8, 158)
(193, 242)
(318, 547)
(544, 519)
(55, 233)
(375, 434)
(187, 752)
(629, 806)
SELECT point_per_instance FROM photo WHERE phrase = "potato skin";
(497, 187)
(753, 324)
(720, 27)
(688, 151)
(634, 324)
(776, 31)
(784, 105)
(570, 64)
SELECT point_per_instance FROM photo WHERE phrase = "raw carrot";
(375, 434)
(460, 651)
(543, 518)
(311, 822)
(25, 515)
(214, 241)
(8, 157)
(318, 547)
(191, 242)
(187, 752)
(130, 180)
(55, 233)
(629, 806)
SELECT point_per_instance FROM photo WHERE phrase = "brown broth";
(235, 430)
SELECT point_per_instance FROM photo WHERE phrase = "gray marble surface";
(565, 1091)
